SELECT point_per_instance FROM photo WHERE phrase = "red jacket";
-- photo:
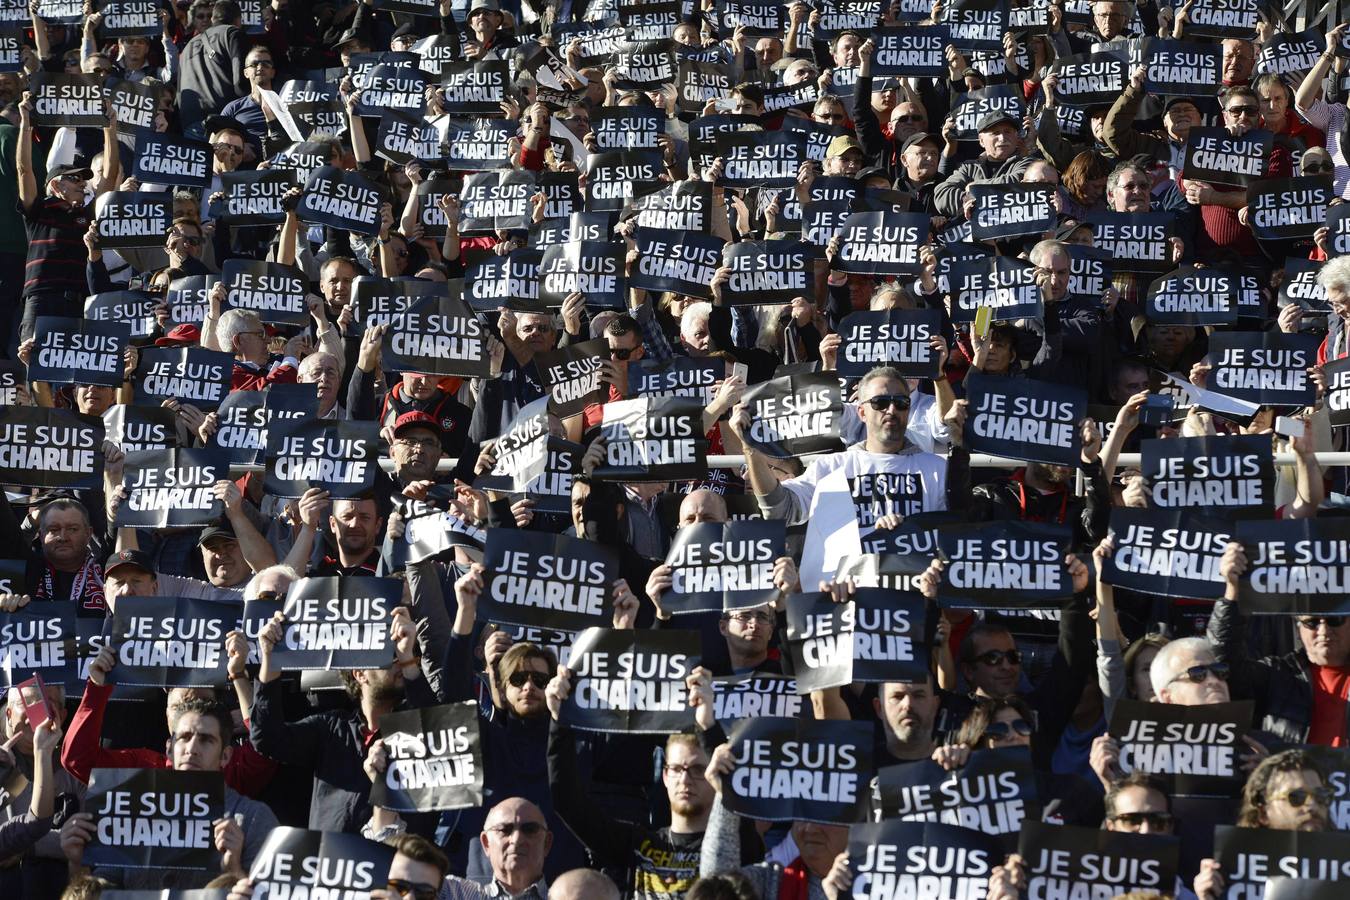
(246, 379)
(248, 771)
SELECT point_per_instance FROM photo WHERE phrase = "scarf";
(87, 590)
(795, 882)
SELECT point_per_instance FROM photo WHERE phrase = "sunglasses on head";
(1312, 623)
(416, 890)
(1156, 820)
(1198, 674)
(882, 401)
(996, 657)
(1005, 729)
(518, 679)
(1296, 797)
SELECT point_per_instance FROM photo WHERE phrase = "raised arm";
(23, 156)
(1311, 86)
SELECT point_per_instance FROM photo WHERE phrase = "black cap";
(1066, 229)
(996, 117)
(83, 171)
(1173, 101)
(921, 136)
(874, 172)
(407, 29)
(351, 34)
(219, 123)
(221, 529)
(129, 558)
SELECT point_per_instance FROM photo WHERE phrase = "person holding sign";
(21, 830)
(1001, 162)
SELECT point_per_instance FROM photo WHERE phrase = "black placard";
(35, 639)
(1067, 861)
(68, 101)
(435, 759)
(1196, 749)
(1224, 19)
(683, 376)
(1217, 157)
(134, 105)
(187, 374)
(1337, 373)
(653, 439)
(1136, 242)
(389, 89)
(1248, 856)
(760, 158)
(682, 205)
(1295, 567)
(598, 41)
(304, 158)
(50, 448)
(698, 82)
(882, 243)
(571, 375)
(547, 580)
(135, 428)
(402, 139)
(133, 309)
(703, 134)
(1089, 272)
(780, 97)
(340, 199)
(376, 301)
(910, 51)
(1011, 210)
(681, 262)
(338, 457)
(872, 637)
(766, 272)
(154, 818)
(1025, 419)
(189, 298)
(244, 417)
(797, 770)
(1090, 79)
(1005, 284)
(755, 695)
(1267, 367)
(631, 682)
(437, 335)
(78, 351)
(505, 282)
(253, 196)
(276, 292)
(168, 642)
(818, 136)
(11, 50)
(896, 337)
(1338, 230)
(977, 24)
(1229, 472)
(474, 88)
(495, 201)
(646, 64)
(627, 128)
(1169, 553)
(171, 488)
(128, 219)
(165, 159)
(993, 793)
(758, 19)
(334, 862)
(1191, 296)
(1182, 68)
(1288, 208)
(333, 623)
(976, 104)
(1001, 565)
(921, 859)
(615, 177)
(1291, 54)
(723, 566)
(796, 415)
(1300, 286)
(595, 268)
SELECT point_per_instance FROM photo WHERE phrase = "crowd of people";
(1069, 98)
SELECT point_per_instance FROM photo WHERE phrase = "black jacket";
(1280, 685)
(211, 72)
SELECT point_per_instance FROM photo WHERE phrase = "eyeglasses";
(187, 239)
(1198, 674)
(73, 178)
(1157, 821)
(426, 443)
(996, 657)
(695, 773)
(904, 119)
(414, 889)
(223, 147)
(882, 402)
(746, 617)
(528, 829)
(621, 352)
(1312, 623)
(1310, 168)
(1296, 797)
(1005, 729)
(538, 679)
(1236, 111)
(260, 64)
(102, 70)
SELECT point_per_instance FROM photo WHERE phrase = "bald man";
(516, 841)
(583, 884)
(702, 505)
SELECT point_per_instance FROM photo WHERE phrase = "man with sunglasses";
(1301, 695)
(247, 110)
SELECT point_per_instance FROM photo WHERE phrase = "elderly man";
(241, 332)
(583, 884)
(324, 371)
(1000, 162)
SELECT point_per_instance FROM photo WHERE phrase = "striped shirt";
(1330, 118)
(456, 888)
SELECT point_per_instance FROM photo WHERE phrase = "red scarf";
(795, 882)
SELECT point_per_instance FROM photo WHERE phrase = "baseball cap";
(995, 118)
(180, 336)
(221, 529)
(129, 558)
(919, 138)
(407, 29)
(841, 144)
(60, 171)
(416, 419)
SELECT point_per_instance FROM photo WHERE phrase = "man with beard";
(333, 744)
(907, 712)
(356, 526)
(657, 862)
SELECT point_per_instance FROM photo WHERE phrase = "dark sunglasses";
(996, 657)
(1005, 729)
(1198, 674)
(1299, 796)
(1312, 623)
(1156, 820)
(1242, 111)
(416, 890)
(882, 401)
(620, 352)
(518, 679)
(268, 596)
(223, 147)
(911, 117)
(1328, 166)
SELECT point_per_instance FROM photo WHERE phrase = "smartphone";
(742, 370)
(35, 703)
(984, 317)
(1157, 410)
(1288, 427)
